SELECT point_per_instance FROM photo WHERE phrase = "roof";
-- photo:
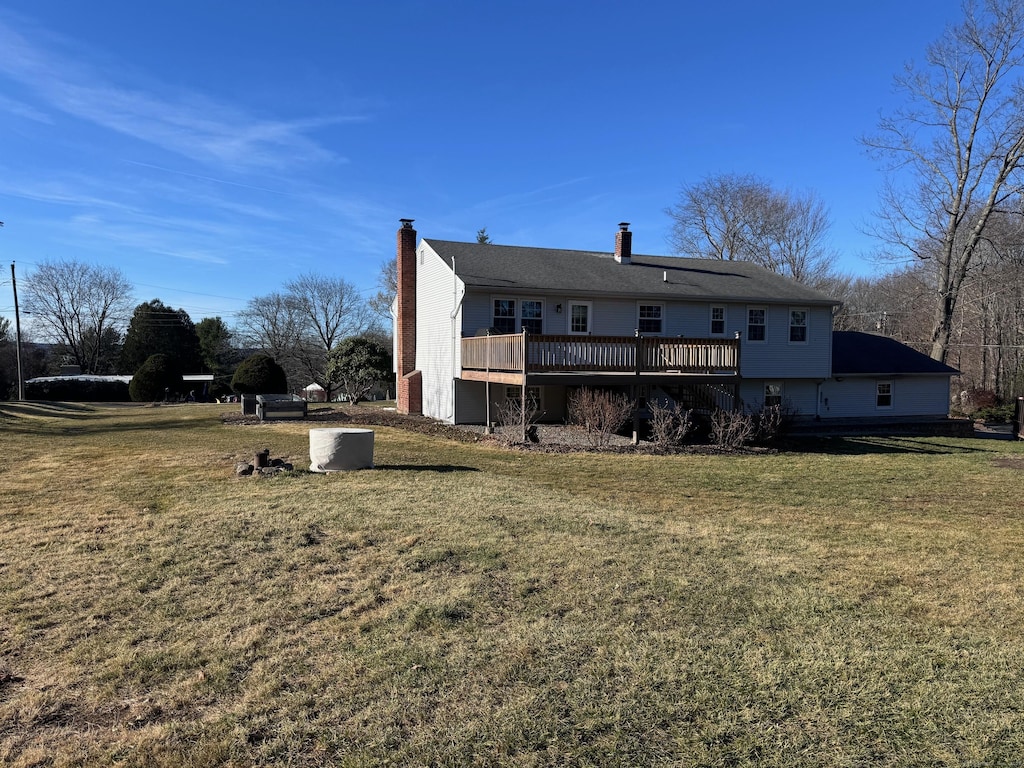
(866, 354)
(549, 270)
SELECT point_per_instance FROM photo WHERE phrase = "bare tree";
(889, 305)
(330, 309)
(270, 323)
(301, 326)
(76, 305)
(387, 289)
(959, 143)
(742, 218)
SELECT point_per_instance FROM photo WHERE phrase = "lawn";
(855, 602)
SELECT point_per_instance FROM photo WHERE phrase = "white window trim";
(765, 325)
(517, 304)
(590, 318)
(658, 304)
(892, 394)
(776, 383)
(515, 310)
(519, 311)
(806, 325)
(711, 319)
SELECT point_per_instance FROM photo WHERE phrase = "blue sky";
(212, 149)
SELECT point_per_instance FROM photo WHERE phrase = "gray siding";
(799, 396)
(778, 358)
(911, 396)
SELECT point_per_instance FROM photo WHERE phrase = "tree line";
(317, 329)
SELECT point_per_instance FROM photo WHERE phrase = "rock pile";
(263, 466)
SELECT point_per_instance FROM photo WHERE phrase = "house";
(875, 376)
(478, 326)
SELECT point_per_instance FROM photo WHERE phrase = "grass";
(856, 603)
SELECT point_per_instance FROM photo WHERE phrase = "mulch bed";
(554, 438)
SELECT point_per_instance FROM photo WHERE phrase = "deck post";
(736, 387)
(487, 391)
(522, 396)
(636, 389)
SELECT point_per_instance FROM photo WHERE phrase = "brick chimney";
(623, 244)
(410, 386)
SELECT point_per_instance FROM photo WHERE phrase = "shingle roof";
(516, 268)
(866, 354)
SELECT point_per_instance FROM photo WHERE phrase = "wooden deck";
(516, 358)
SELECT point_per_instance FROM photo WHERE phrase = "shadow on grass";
(14, 410)
(861, 446)
(60, 418)
(426, 467)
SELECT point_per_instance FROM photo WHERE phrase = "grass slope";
(857, 603)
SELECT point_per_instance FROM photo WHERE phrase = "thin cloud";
(188, 124)
(56, 192)
(23, 110)
(539, 196)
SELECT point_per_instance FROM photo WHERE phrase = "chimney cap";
(624, 225)
(407, 223)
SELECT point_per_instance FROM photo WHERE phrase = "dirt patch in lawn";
(1014, 463)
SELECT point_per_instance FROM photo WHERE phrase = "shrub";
(733, 429)
(996, 414)
(600, 413)
(670, 424)
(511, 427)
(259, 374)
(359, 365)
(156, 377)
(77, 390)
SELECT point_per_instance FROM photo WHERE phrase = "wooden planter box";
(280, 407)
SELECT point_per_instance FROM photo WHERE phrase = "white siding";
(437, 352)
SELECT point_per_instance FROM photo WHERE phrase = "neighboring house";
(480, 325)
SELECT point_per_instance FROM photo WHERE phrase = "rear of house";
(492, 324)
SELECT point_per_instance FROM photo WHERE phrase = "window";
(649, 320)
(883, 394)
(717, 321)
(511, 316)
(505, 315)
(772, 394)
(756, 323)
(798, 326)
(513, 397)
(531, 313)
(579, 317)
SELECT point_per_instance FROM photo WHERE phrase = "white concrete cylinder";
(339, 450)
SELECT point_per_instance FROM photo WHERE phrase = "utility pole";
(17, 334)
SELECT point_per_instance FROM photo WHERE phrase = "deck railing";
(636, 354)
